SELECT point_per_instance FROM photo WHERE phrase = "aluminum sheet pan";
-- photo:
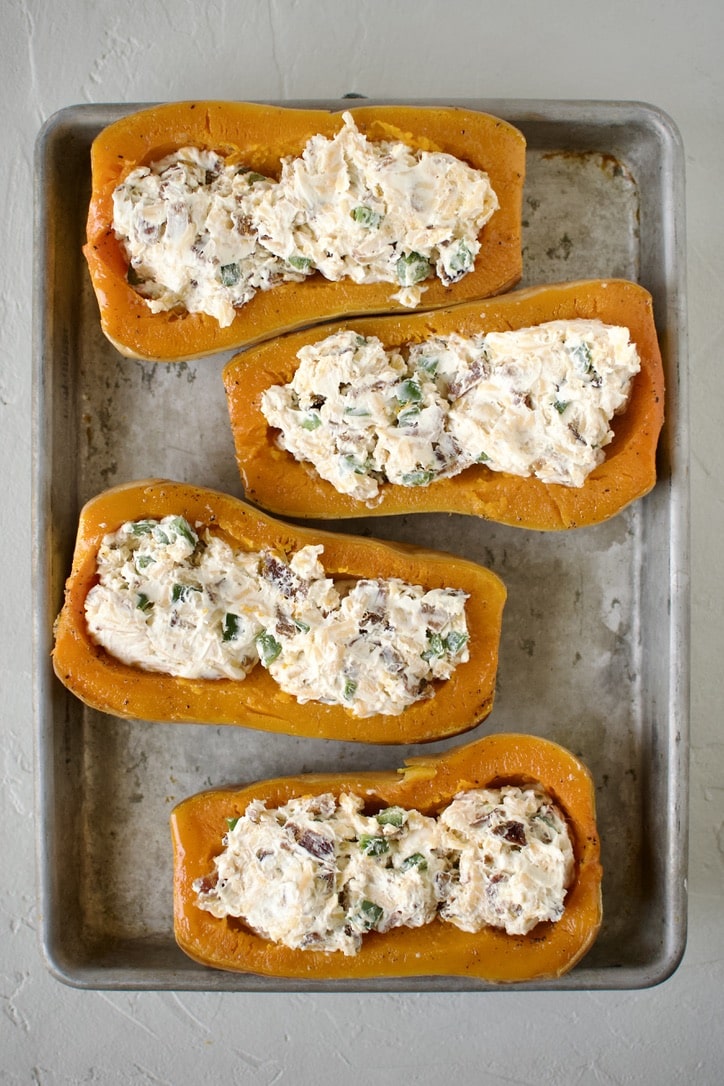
(594, 651)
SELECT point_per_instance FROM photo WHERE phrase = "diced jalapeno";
(420, 477)
(231, 627)
(368, 914)
(268, 648)
(181, 592)
(462, 260)
(454, 641)
(252, 176)
(481, 458)
(415, 860)
(428, 364)
(412, 268)
(143, 603)
(365, 216)
(409, 391)
(391, 816)
(182, 527)
(581, 355)
(355, 465)
(561, 405)
(408, 415)
(303, 627)
(301, 263)
(311, 421)
(350, 689)
(373, 846)
(231, 822)
(230, 274)
(357, 412)
(143, 527)
(435, 647)
(144, 560)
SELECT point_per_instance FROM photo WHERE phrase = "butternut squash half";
(275, 480)
(103, 682)
(261, 136)
(427, 784)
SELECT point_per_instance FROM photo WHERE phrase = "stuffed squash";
(540, 409)
(185, 604)
(213, 225)
(480, 862)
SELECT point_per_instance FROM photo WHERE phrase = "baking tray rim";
(563, 115)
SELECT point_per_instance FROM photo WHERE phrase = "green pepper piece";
(311, 421)
(350, 689)
(373, 846)
(143, 603)
(301, 263)
(428, 364)
(184, 529)
(391, 816)
(143, 527)
(181, 592)
(412, 268)
(409, 391)
(368, 914)
(230, 274)
(366, 216)
(408, 414)
(415, 860)
(454, 641)
(420, 477)
(582, 356)
(268, 648)
(231, 627)
(461, 260)
(561, 405)
(436, 647)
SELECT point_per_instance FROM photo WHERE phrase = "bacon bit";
(513, 832)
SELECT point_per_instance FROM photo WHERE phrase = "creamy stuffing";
(207, 234)
(174, 600)
(319, 872)
(537, 401)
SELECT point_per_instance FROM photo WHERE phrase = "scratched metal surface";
(594, 647)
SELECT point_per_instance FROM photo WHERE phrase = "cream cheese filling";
(319, 872)
(537, 401)
(173, 600)
(206, 234)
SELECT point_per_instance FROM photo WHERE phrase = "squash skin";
(263, 135)
(274, 480)
(438, 948)
(106, 684)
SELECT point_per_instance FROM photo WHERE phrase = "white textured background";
(55, 55)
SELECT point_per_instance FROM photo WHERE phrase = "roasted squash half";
(105, 683)
(427, 784)
(274, 479)
(261, 136)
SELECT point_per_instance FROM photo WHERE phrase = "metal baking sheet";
(594, 651)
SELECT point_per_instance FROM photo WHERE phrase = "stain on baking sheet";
(580, 218)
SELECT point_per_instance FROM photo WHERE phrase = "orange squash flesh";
(276, 481)
(261, 136)
(438, 948)
(105, 683)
